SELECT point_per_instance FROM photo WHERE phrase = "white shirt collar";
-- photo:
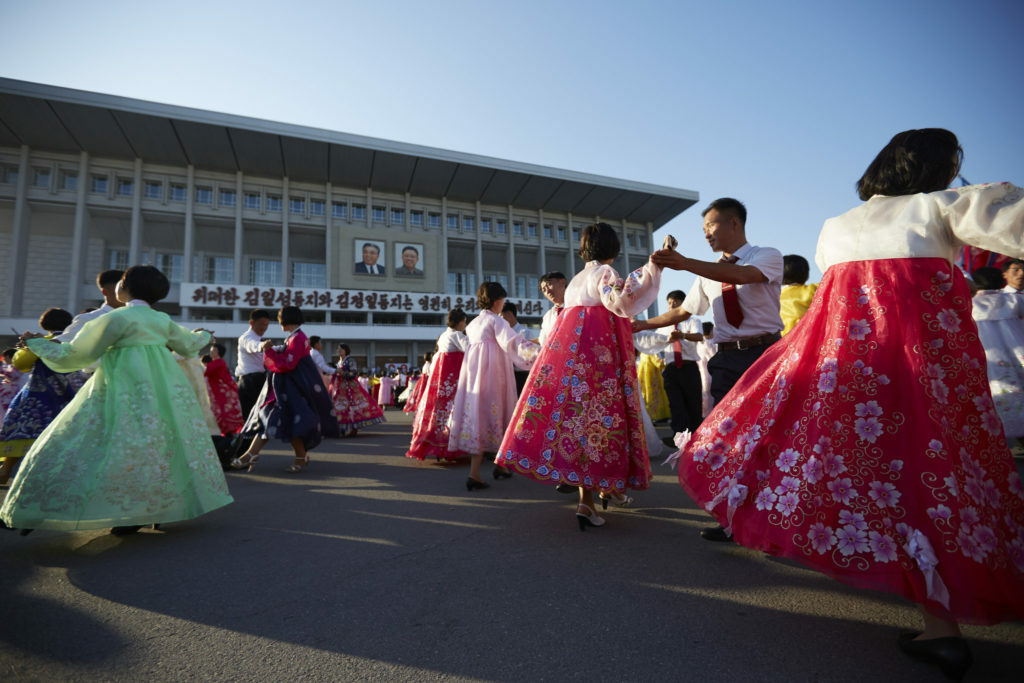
(138, 302)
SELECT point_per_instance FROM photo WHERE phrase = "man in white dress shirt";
(249, 369)
(742, 289)
(107, 283)
(1013, 273)
(552, 286)
(681, 375)
(316, 353)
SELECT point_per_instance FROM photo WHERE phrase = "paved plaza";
(369, 566)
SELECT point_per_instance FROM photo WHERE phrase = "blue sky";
(780, 104)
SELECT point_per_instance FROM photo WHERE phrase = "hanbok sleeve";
(522, 351)
(91, 342)
(184, 341)
(287, 358)
(988, 216)
(632, 295)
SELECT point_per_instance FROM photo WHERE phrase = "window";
(41, 177)
(204, 195)
(468, 224)
(317, 207)
(10, 174)
(517, 228)
(379, 214)
(416, 218)
(397, 216)
(531, 230)
(499, 227)
(462, 282)
(631, 239)
(69, 180)
(273, 203)
(501, 278)
(547, 232)
(154, 189)
(561, 233)
(576, 234)
(643, 241)
(252, 200)
(359, 212)
(227, 198)
(433, 220)
(309, 275)
(485, 225)
(178, 192)
(172, 265)
(117, 259)
(220, 270)
(453, 221)
(339, 210)
(264, 272)
(125, 188)
(526, 286)
(297, 205)
(99, 184)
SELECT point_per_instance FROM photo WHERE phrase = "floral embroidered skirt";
(865, 445)
(578, 420)
(352, 405)
(430, 429)
(417, 393)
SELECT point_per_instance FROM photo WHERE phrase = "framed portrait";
(408, 259)
(370, 257)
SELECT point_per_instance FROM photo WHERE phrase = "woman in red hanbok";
(352, 403)
(430, 429)
(419, 387)
(223, 392)
(865, 444)
(579, 420)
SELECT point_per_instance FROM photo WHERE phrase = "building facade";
(375, 240)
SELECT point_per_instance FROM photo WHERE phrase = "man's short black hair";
(510, 307)
(730, 206)
(1012, 262)
(259, 314)
(109, 278)
(553, 275)
(54, 320)
(988, 277)
(313, 340)
(676, 294)
(795, 270)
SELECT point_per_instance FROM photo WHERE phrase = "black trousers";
(728, 365)
(249, 388)
(683, 387)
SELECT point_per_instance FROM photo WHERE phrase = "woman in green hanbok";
(132, 447)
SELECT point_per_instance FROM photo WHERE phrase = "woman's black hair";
(988, 277)
(456, 316)
(344, 347)
(599, 242)
(206, 358)
(290, 315)
(146, 283)
(54, 320)
(8, 354)
(488, 293)
(924, 160)
(795, 270)
(221, 349)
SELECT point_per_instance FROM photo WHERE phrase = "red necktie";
(677, 348)
(731, 298)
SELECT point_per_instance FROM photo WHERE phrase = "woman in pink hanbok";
(579, 419)
(419, 386)
(865, 443)
(486, 395)
(430, 429)
(352, 403)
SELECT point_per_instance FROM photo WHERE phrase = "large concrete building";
(374, 239)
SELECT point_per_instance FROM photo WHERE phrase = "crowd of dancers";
(865, 436)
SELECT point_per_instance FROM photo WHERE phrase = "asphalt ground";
(370, 566)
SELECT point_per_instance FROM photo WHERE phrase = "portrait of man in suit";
(371, 262)
(408, 255)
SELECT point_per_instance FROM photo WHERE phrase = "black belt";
(750, 342)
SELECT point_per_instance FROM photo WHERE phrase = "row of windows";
(178, 192)
(220, 270)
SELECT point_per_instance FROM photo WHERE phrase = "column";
(511, 255)
(625, 248)
(369, 207)
(479, 252)
(236, 314)
(444, 244)
(573, 250)
(542, 262)
(652, 310)
(408, 214)
(190, 198)
(78, 247)
(330, 257)
(19, 237)
(135, 241)
(285, 279)
(371, 354)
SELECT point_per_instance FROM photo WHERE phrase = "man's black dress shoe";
(715, 533)
(566, 488)
(949, 654)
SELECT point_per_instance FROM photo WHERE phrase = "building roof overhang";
(67, 120)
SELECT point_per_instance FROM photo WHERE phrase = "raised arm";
(626, 297)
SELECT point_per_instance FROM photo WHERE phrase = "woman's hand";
(266, 344)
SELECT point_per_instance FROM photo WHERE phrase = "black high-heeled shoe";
(472, 483)
(501, 473)
(952, 655)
